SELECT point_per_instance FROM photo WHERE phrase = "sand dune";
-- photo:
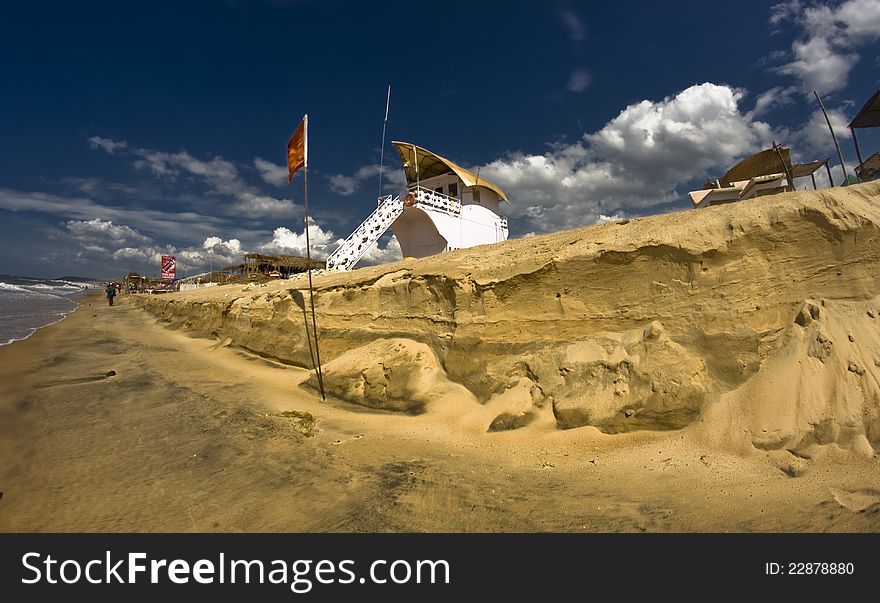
(760, 315)
(711, 370)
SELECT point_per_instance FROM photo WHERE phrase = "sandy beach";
(186, 437)
(111, 421)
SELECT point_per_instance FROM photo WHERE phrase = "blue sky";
(131, 130)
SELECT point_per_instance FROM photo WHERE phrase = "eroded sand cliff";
(753, 324)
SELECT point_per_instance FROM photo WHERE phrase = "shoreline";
(111, 422)
(35, 329)
(75, 299)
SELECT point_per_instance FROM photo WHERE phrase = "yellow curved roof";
(430, 165)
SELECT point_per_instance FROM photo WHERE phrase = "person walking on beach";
(111, 293)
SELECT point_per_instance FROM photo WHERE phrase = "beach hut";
(766, 172)
(867, 117)
(278, 266)
(444, 207)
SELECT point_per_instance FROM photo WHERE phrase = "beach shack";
(274, 266)
(444, 207)
(867, 117)
(767, 172)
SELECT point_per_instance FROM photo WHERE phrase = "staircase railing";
(358, 242)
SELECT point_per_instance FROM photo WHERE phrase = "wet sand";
(111, 422)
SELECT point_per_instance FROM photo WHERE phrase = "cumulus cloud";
(143, 258)
(635, 161)
(271, 172)
(382, 255)
(215, 253)
(324, 242)
(108, 145)
(824, 53)
(819, 66)
(579, 80)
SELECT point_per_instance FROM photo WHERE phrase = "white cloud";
(285, 241)
(111, 146)
(393, 180)
(222, 177)
(343, 185)
(819, 66)
(271, 172)
(215, 253)
(579, 80)
(378, 255)
(218, 245)
(861, 20)
(141, 257)
(813, 140)
(218, 174)
(776, 96)
(97, 231)
(175, 224)
(602, 219)
(824, 54)
(323, 243)
(577, 31)
(635, 161)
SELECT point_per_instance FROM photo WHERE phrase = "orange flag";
(298, 148)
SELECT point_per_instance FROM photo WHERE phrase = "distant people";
(111, 293)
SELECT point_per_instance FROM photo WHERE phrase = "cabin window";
(453, 189)
(439, 189)
(476, 195)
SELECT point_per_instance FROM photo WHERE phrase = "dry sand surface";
(711, 370)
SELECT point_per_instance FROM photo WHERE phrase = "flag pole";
(318, 372)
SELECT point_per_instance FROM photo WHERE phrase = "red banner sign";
(169, 269)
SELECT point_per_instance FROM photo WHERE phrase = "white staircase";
(356, 245)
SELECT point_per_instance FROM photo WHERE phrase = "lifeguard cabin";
(444, 207)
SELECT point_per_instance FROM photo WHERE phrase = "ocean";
(26, 304)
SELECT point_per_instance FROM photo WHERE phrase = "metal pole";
(828, 169)
(813, 178)
(318, 372)
(777, 148)
(384, 126)
(858, 150)
(833, 137)
(856, 142)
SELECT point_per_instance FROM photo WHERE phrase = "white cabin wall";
(480, 225)
(445, 180)
(419, 234)
(488, 199)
